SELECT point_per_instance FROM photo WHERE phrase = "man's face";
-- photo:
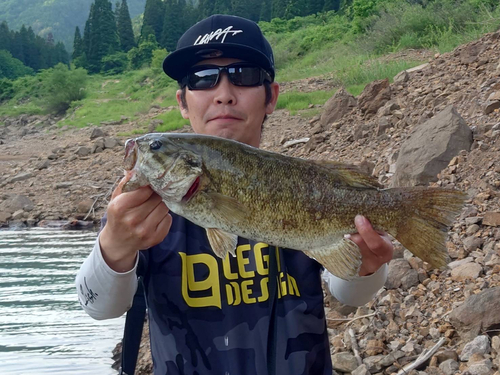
(228, 111)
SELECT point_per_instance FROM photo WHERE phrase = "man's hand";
(376, 248)
(137, 220)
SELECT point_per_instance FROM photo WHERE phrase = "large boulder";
(15, 203)
(430, 148)
(374, 96)
(337, 106)
(479, 313)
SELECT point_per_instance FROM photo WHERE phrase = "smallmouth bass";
(232, 189)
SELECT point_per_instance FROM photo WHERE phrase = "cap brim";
(177, 64)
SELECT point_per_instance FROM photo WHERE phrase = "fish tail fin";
(429, 212)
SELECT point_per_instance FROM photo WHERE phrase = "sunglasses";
(202, 77)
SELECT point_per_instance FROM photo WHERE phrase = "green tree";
(266, 10)
(172, 24)
(222, 7)
(331, 5)
(11, 67)
(295, 8)
(205, 8)
(102, 34)
(5, 36)
(77, 44)
(153, 19)
(114, 64)
(279, 8)
(142, 55)
(315, 6)
(124, 25)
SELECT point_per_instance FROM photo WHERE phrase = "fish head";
(158, 160)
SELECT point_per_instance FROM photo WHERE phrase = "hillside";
(59, 17)
(51, 173)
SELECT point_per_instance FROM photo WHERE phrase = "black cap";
(220, 36)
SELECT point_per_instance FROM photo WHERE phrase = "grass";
(172, 120)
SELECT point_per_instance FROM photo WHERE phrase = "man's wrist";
(116, 259)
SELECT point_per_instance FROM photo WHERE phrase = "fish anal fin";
(342, 259)
(222, 242)
(348, 174)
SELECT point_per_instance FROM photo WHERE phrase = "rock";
(361, 370)
(477, 314)
(337, 106)
(374, 96)
(84, 205)
(449, 367)
(480, 368)
(97, 133)
(18, 215)
(16, 202)
(401, 77)
(480, 345)
(344, 362)
(43, 165)
(468, 271)
(491, 219)
(110, 142)
(4, 216)
(399, 269)
(22, 177)
(430, 148)
(63, 185)
(374, 347)
(492, 103)
(83, 151)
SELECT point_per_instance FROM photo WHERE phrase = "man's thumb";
(119, 189)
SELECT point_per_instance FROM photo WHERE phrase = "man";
(207, 315)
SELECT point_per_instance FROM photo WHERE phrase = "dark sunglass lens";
(204, 79)
(245, 75)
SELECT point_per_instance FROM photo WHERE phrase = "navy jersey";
(211, 316)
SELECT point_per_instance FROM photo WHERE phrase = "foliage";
(12, 68)
(142, 55)
(62, 86)
(6, 89)
(157, 61)
(114, 64)
(124, 28)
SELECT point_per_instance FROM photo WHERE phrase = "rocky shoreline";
(449, 320)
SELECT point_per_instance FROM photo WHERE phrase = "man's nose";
(225, 90)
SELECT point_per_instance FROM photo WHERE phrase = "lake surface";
(43, 329)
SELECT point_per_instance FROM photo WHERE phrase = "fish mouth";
(130, 157)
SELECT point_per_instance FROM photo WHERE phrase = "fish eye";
(155, 145)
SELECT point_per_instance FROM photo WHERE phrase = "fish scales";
(286, 202)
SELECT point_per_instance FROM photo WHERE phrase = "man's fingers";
(371, 238)
(119, 189)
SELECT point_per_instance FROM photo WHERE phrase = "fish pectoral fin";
(342, 259)
(222, 242)
(229, 209)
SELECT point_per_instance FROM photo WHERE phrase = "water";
(43, 329)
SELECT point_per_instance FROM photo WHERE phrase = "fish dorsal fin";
(342, 259)
(222, 242)
(227, 208)
(348, 174)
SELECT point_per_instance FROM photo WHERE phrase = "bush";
(142, 55)
(114, 64)
(12, 68)
(62, 86)
(157, 61)
(6, 89)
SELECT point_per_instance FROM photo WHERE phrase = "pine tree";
(206, 8)
(315, 6)
(5, 36)
(172, 24)
(77, 44)
(222, 7)
(124, 25)
(266, 10)
(153, 19)
(102, 34)
(295, 8)
(331, 5)
(279, 8)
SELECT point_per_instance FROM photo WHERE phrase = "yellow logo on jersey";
(245, 278)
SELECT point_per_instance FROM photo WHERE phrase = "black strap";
(273, 315)
(134, 323)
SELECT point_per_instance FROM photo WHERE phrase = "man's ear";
(184, 110)
(275, 91)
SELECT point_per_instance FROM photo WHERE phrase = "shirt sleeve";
(358, 291)
(102, 292)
